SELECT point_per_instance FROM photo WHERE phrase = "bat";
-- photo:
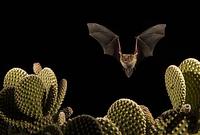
(144, 44)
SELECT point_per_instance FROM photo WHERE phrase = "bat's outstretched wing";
(148, 39)
(106, 38)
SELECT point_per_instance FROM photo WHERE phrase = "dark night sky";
(58, 38)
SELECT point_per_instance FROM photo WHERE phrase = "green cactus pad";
(173, 121)
(63, 116)
(37, 68)
(68, 112)
(150, 122)
(181, 129)
(50, 130)
(11, 116)
(62, 88)
(7, 103)
(83, 125)
(128, 117)
(175, 85)
(50, 82)
(48, 77)
(61, 119)
(29, 96)
(13, 77)
(108, 127)
(191, 72)
(27, 126)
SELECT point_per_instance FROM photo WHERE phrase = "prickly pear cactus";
(52, 129)
(29, 95)
(108, 127)
(83, 125)
(183, 87)
(128, 117)
(29, 102)
(49, 80)
(173, 121)
(175, 85)
(150, 122)
(37, 68)
(191, 72)
(13, 77)
(68, 112)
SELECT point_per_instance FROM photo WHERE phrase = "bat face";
(128, 62)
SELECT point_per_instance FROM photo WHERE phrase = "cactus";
(191, 72)
(83, 125)
(62, 88)
(150, 122)
(50, 82)
(13, 77)
(173, 121)
(52, 129)
(37, 68)
(128, 117)
(30, 104)
(175, 85)
(63, 116)
(68, 112)
(24, 99)
(108, 127)
(182, 85)
(29, 95)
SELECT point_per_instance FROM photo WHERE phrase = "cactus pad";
(108, 127)
(83, 125)
(50, 130)
(150, 122)
(175, 84)
(68, 112)
(173, 121)
(37, 68)
(61, 118)
(50, 82)
(29, 95)
(13, 77)
(191, 72)
(128, 117)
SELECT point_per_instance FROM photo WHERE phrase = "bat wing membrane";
(149, 38)
(108, 40)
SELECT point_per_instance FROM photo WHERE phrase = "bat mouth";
(128, 72)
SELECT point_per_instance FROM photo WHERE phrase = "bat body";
(144, 44)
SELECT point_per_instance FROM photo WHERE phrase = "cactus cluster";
(183, 87)
(31, 104)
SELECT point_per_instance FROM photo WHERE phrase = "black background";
(57, 37)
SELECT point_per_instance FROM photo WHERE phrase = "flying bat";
(144, 44)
